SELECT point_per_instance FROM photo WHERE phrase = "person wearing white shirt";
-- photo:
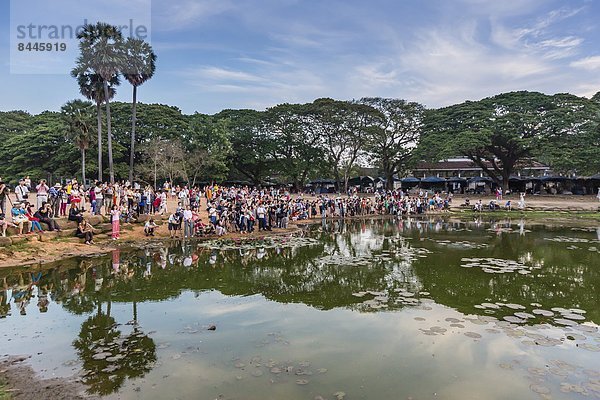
(21, 191)
(261, 213)
(99, 192)
(188, 223)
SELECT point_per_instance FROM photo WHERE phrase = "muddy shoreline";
(38, 253)
(22, 383)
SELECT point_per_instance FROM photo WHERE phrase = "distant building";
(465, 168)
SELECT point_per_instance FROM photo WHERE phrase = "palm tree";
(101, 47)
(139, 67)
(78, 115)
(92, 88)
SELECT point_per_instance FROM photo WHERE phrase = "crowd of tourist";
(240, 209)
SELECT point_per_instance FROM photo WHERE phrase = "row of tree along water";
(292, 143)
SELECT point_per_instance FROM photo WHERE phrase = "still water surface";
(422, 309)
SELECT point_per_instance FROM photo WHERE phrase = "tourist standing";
(22, 191)
(260, 214)
(99, 194)
(522, 201)
(55, 200)
(64, 201)
(42, 193)
(188, 223)
(173, 224)
(115, 217)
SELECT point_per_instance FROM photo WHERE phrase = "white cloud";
(222, 74)
(177, 15)
(587, 63)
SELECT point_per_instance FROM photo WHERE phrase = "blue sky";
(216, 54)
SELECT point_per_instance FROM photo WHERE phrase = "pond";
(384, 309)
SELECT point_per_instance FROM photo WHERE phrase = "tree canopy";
(294, 143)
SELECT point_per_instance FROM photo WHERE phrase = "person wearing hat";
(19, 218)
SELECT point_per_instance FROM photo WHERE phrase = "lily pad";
(539, 389)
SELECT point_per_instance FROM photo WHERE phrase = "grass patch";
(4, 395)
(575, 215)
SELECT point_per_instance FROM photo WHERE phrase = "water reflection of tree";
(108, 356)
(285, 273)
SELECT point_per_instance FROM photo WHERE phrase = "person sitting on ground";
(149, 227)
(508, 206)
(75, 214)
(44, 214)
(4, 224)
(34, 221)
(19, 218)
(85, 231)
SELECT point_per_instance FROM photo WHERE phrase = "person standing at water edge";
(522, 201)
(188, 223)
(115, 217)
(260, 214)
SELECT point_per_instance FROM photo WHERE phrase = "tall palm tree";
(78, 115)
(139, 67)
(92, 88)
(101, 48)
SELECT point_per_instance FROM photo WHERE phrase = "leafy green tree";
(102, 54)
(78, 116)
(139, 67)
(342, 127)
(571, 144)
(297, 148)
(502, 133)
(496, 133)
(208, 149)
(251, 142)
(41, 150)
(390, 143)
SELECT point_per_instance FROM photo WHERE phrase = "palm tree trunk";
(83, 165)
(133, 119)
(111, 171)
(99, 112)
